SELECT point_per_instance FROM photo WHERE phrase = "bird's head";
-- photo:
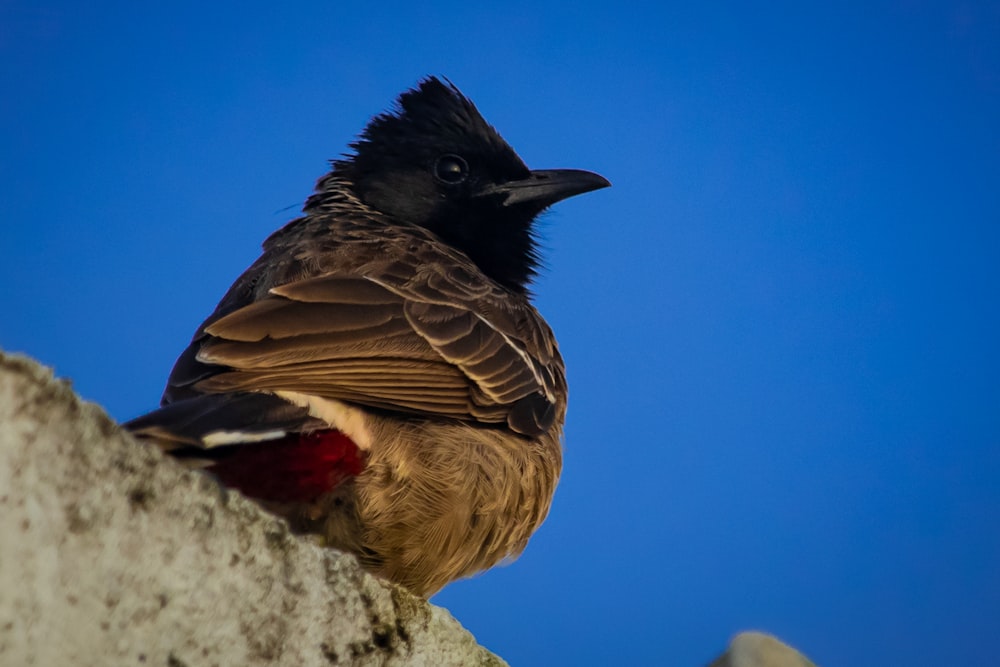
(435, 162)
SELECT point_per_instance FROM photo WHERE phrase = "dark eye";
(451, 169)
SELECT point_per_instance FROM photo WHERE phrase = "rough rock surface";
(112, 555)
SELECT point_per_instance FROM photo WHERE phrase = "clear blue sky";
(781, 324)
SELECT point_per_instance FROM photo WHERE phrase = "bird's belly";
(440, 501)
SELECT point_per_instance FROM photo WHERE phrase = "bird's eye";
(451, 169)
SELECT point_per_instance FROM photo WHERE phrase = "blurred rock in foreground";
(112, 555)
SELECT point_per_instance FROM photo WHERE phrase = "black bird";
(379, 376)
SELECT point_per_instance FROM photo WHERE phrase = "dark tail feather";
(248, 416)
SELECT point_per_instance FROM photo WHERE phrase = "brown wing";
(411, 335)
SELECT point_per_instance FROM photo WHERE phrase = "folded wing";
(407, 338)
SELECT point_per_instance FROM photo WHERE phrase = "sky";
(780, 325)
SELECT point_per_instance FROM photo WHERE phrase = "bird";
(379, 377)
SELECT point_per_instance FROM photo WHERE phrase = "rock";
(112, 554)
(756, 649)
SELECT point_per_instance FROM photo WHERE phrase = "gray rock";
(756, 649)
(111, 554)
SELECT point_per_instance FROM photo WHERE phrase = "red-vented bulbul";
(379, 376)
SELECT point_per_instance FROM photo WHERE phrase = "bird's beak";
(545, 187)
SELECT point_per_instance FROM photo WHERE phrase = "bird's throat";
(297, 468)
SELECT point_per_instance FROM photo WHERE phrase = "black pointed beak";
(545, 187)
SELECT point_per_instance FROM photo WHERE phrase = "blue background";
(781, 324)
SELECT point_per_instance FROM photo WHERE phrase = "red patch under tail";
(297, 468)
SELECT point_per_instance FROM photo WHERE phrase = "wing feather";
(420, 332)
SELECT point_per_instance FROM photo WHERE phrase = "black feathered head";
(433, 161)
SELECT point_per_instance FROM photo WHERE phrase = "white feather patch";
(217, 438)
(350, 421)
